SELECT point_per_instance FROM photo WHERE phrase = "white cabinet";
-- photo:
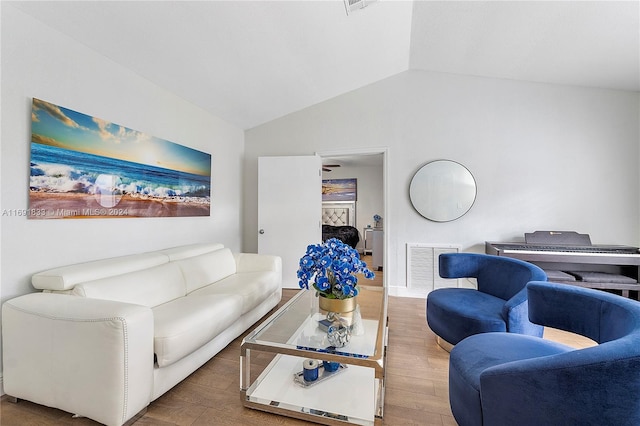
(377, 238)
(368, 241)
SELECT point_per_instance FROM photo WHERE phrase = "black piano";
(569, 257)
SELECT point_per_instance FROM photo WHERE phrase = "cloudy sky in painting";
(65, 128)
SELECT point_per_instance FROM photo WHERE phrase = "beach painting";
(86, 167)
(339, 189)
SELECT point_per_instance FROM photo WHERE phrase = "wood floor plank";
(416, 380)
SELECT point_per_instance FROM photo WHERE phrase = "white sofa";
(107, 337)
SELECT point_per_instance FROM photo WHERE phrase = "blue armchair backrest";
(598, 315)
(498, 276)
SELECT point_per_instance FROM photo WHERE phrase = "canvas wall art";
(339, 190)
(86, 167)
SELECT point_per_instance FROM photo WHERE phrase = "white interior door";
(289, 209)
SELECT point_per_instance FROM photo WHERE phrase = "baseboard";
(405, 292)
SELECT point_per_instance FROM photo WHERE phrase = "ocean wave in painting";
(59, 170)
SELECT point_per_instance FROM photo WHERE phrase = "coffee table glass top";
(297, 326)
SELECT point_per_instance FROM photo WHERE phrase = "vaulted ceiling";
(249, 62)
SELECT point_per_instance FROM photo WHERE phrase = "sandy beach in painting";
(48, 205)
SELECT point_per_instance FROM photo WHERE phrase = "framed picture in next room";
(339, 190)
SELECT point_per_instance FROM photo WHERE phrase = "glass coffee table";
(275, 351)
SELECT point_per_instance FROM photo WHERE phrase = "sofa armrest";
(252, 262)
(90, 357)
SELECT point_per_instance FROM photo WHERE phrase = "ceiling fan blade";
(331, 165)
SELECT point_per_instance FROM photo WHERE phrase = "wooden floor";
(416, 384)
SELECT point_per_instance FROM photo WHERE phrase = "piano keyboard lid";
(557, 238)
(564, 241)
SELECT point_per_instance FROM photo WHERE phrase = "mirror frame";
(443, 190)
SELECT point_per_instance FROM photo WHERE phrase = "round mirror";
(442, 190)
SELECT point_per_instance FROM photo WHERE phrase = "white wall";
(370, 193)
(545, 157)
(40, 62)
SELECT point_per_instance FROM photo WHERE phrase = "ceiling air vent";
(351, 5)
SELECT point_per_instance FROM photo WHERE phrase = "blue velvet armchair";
(509, 379)
(499, 303)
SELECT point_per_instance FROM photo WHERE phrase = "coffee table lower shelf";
(349, 397)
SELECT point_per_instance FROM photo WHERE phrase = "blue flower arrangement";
(333, 265)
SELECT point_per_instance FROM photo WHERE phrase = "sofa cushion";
(191, 250)
(65, 277)
(185, 324)
(253, 262)
(253, 287)
(149, 287)
(202, 270)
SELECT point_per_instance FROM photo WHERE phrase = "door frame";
(385, 190)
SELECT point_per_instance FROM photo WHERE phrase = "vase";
(338, 306)
(338, 333)
(340, 315)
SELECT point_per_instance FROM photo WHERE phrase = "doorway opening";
(369, 209)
